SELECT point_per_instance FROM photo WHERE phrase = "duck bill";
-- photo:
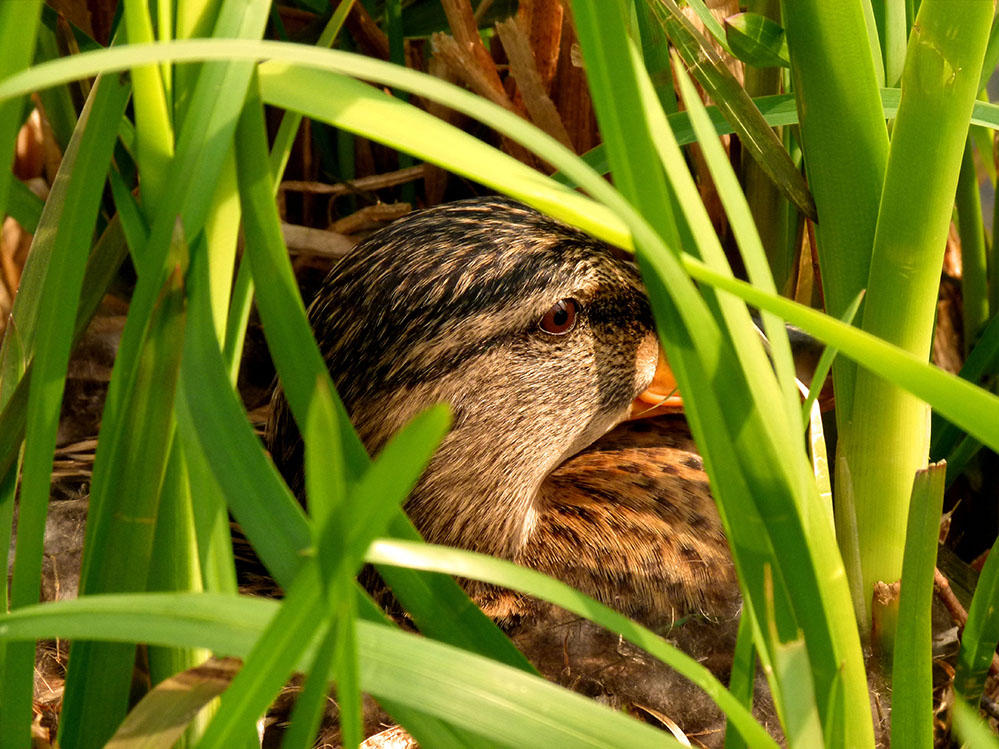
(661, 396)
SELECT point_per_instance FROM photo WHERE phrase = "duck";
(542, 341)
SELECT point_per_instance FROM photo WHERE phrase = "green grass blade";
(175, 563)
(496, 703)
(499, 572)
(297, 357)
(757, 41)
(742, 680)
(655, 52)
(982, 361)
(973, 408)
(971, 729)
(105, 259)
(25, 206)
(128, 475)
(64, 239)
(268, 665)
(833, 644)
(760, 142)
(912, 677)
(893, 32)
(154, 129)
(710, 23)
(753, 254)
(981, 634)
(974, 271)
(337, 646)
(18, 25)
(826, 361)
(209, 409)
(286, 327)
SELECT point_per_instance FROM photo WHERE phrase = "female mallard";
(540, 338)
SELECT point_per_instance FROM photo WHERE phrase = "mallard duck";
(540, 338)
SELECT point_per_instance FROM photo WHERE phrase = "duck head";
(538, 337)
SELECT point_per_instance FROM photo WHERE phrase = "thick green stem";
(888, 435)
(846, 148)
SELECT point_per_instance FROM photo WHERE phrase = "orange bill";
(661, 396)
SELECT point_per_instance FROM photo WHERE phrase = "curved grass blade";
(982, 362)
(475, 566)
(972, 408)
(495, 702)
(611, 230)
(742, 679)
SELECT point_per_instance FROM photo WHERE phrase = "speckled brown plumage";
(444, 305)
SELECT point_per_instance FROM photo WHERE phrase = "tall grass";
(176, 453)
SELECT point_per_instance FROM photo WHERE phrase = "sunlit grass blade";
(154, 129)
(973, 408)
(493, 701)
(971, 729)
(826, 361)
(285, 324)
(392, 122)
(912, 678)
(270, 662)
(833, 645)
(497, 571)
(242, 292)
(753, 255)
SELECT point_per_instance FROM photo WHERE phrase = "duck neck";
(483, 501)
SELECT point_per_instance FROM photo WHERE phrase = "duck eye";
(561, 317)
